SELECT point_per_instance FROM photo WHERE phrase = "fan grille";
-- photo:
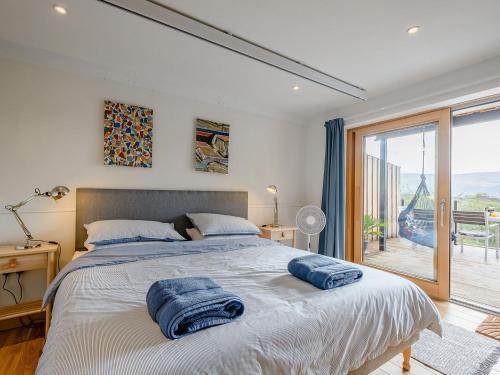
(311, 220)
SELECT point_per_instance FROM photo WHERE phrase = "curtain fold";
(331, 240)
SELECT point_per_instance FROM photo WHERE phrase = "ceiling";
(362, 42)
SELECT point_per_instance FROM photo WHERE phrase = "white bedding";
(100, 323)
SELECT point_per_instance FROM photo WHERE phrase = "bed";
(100, 323)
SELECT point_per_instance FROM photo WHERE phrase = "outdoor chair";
(477, 218)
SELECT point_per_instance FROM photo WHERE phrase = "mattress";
(100, 323)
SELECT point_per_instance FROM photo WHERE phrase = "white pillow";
(197, 236)
(107, 232)
(215, 224)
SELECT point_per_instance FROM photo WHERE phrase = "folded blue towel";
(324, 272)
(186, 305)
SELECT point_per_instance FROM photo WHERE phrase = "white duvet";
(100, 323)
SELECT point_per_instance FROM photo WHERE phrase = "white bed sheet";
(100, 323)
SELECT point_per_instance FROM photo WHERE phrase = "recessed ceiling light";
(60, 9)
(295, 88)
(413, 30)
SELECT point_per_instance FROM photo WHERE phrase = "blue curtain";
(331, 240)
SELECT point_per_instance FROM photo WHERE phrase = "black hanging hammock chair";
(416, 221)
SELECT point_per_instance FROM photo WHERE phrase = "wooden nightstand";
(12, 260)
(280, 233)
(79, 253)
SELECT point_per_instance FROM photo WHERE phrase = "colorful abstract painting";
(128, 135)
(212, 146)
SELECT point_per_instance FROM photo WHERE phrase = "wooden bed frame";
(375, 363)
(406, 359)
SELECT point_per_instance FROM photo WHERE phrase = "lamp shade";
(58, 192)
(272, 189)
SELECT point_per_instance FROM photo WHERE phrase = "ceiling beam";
(186, 24)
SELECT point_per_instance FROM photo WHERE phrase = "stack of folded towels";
(324, 272)
(186, 305)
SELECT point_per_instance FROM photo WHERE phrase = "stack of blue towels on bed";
(186, 305)
(324, 272)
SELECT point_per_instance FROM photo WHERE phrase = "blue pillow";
(130, 239)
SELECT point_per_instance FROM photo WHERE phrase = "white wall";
(52, 134)
(315, 157)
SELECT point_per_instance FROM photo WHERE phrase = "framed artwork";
(211, 150)
(128, 135)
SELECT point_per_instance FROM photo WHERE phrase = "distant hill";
(462, 184)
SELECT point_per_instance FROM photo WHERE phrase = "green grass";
(477, 202)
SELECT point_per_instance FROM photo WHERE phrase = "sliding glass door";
(399, 198)
(475, 187)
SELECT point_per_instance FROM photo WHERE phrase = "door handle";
(442, 205)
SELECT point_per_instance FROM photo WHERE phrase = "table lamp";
(274, 190)
(56, 193)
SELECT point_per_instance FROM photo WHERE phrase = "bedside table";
(12, 260)
(280, 233)
(79, 253)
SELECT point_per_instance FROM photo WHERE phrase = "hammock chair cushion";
(416, 221)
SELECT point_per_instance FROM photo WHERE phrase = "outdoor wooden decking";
(471, 278)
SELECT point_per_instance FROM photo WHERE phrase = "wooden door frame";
(354, 202)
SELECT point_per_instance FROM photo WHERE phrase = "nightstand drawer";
(40, 257)
(23, 263)
(282, 235)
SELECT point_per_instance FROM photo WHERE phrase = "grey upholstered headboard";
(159, 205)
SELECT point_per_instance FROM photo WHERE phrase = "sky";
(406, 151)
(475, 148)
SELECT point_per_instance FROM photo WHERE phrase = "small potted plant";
(371, 227)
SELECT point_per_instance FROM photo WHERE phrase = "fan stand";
(309, 242)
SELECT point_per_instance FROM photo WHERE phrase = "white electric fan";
(310, 221)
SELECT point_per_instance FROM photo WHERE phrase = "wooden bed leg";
(406, 359)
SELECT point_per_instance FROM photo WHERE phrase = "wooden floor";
(471, 278)
(20, 348)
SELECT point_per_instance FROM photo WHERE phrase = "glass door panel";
(399, 201)
(398, 198)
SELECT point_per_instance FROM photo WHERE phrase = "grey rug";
(459, 352)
